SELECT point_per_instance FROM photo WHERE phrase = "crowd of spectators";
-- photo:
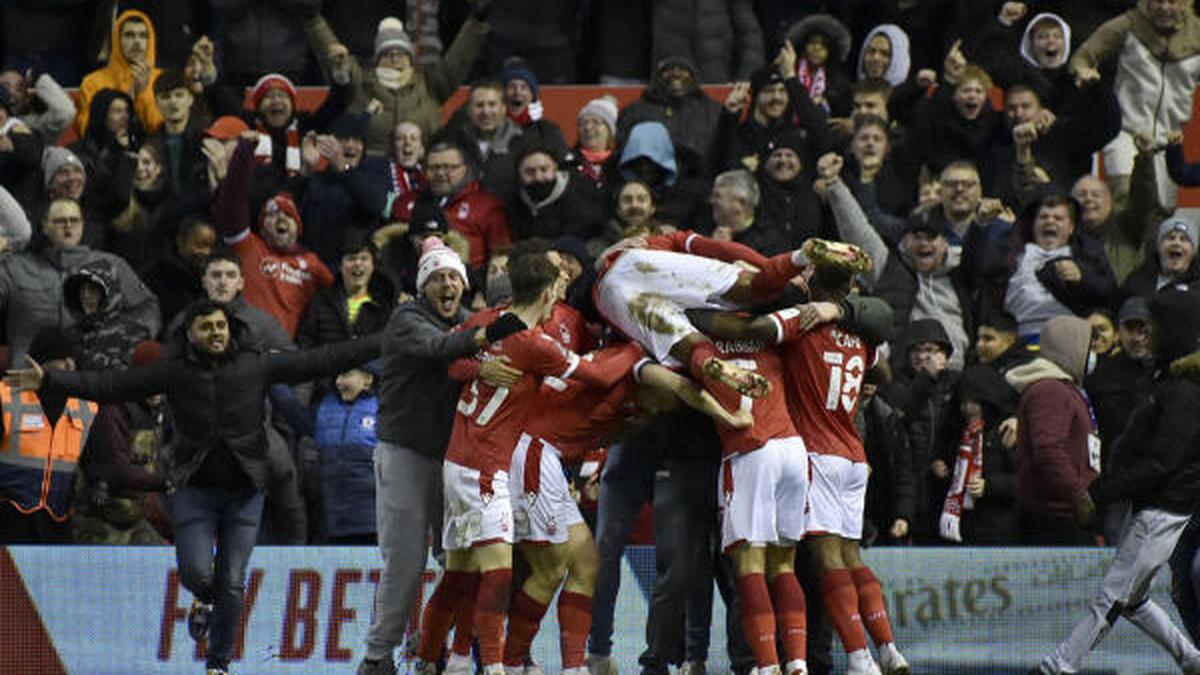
(193, 171)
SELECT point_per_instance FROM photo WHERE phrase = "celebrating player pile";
(783, 388)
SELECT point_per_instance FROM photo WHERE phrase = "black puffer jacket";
(217, 403)
(722, 37)
(1157, 463)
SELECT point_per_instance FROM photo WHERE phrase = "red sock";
(773, 277)
(790, 615)
(451, 591)
(574, 623)
(871, 605)
(702, 352)
(841, 603)
(491, 604)
(758, 619)
(464, 621)
(524, 617)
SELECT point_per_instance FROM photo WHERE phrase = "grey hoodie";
(1065, 343)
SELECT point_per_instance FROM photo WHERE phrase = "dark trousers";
(31, 528)
(1047, 529)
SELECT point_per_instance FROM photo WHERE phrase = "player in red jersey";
(826, 363)
(647, 284)
(478, 531)
(575, 418)
(763, 488)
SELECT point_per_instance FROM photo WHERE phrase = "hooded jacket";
(1156, 72)
(573, 208)
(109, 335)
(1006, 53)
(345, 437)
(679, 194)
(1054, 465)
(897, 71)
(118, 75)
(31, 292)
(1158, 461)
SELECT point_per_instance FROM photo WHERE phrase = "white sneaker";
(420, 667)
(769, 670)
(891, 661)
(797, 667)
(861, 663)
(457, 664)
(513, 670)
(601, 665)
(499, 669)
(693, 668)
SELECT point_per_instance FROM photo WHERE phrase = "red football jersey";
(576, 417)
(489, 420)
(825, 369)
(771, 418)
(567, 325)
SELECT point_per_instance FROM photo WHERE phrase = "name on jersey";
(846, 340)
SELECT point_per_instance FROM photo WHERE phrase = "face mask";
(539, 191)
(1091, 362)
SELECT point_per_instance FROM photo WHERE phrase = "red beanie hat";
(282, 201)
(146, 352)
(268, 82)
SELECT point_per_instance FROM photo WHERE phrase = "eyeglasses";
(444, 168)
(959, 184)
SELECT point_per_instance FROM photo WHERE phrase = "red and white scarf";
(264, 151)
(812, 81)
(967, 465)
(406, 181)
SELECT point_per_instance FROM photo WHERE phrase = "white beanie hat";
(391, 34)
(436, 256)
(604, 108)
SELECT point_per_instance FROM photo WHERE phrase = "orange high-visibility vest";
(32, 448)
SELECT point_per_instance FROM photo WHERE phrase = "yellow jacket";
(118, 75)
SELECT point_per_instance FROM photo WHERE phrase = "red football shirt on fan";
(489, 420)
(578, 417)
(825, 369)
(771, 418)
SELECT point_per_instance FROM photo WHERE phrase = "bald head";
(1095, 201)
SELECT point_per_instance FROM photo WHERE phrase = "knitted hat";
(391, 35)
(515, 68)
(54, 159)
(604, 109)
(437, 256)
(268, 82)
(226, 128)
(762, 78)
(282, 201)
(1179, 224)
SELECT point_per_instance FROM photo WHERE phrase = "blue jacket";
(345, 437)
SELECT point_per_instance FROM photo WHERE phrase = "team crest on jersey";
(565, 333)
(464, 209)
(368, 422)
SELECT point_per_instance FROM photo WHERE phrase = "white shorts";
(836, 496)
(763, 495)
(475, 514)
(541, 499)
(645, 293)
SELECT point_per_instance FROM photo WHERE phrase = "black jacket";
(217, 403)
(327, 317)
(1157, 462)
(1116, 388)
(734, 141)
(576, 208)
(892, 486)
